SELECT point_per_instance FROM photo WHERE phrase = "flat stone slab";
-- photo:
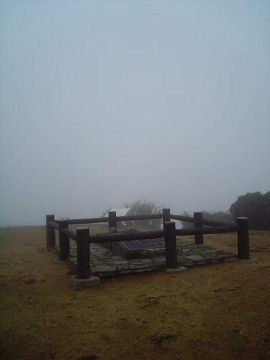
(175, 270)
(105, 263)
(196, 258)
(79, 284)
(135, 249)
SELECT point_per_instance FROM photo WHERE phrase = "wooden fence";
(169, 232)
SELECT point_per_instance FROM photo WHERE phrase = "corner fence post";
(243, 238)
(166, 216)
(198, 223)
(170, 244)
(83, 253)
(63, 242)
(50, 233)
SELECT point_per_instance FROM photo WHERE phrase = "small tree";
(144, 207)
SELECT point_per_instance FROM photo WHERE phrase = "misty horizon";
(105, 103)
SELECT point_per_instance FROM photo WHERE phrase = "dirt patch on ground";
(211, 312)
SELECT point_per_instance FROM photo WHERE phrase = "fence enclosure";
(169, 233)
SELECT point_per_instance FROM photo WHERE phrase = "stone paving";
(104, 263)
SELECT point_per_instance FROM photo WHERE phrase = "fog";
(104, 103)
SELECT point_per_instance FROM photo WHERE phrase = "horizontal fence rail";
(216, 223)
(71, 234)
(107, 219)
(182, 218)
(85, 221)
(139, 217)
(215, 230)
(127, 236)
(204, 221)
(169, 233)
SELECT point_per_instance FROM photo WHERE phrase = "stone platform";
(104, 263)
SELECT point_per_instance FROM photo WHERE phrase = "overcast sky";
(105, 102)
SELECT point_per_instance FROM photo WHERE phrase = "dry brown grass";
(214, 312)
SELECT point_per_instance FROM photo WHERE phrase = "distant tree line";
(255, 206)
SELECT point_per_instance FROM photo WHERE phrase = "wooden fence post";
(243, 238)
(170, 244)
(63, 242)
(166, 216)
(50, 233)
(112, 226)
(198, 223)
(83, 253)
(112, 221)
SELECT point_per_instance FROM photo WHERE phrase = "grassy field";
(212, 312)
